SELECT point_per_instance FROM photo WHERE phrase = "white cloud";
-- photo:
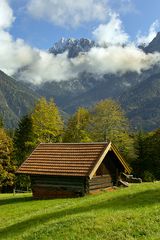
(115, 59)
(145, 40)
(14, 54)
(111, 33)
(68, 13)
(6, 15)
(37, 66)
(47, 67)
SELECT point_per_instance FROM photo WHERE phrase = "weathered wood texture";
(100, 182)
(57, 186)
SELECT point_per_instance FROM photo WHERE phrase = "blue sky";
(136, 15)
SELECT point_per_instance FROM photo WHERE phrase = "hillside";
(142, 103)
(131, 213)
(16, 100)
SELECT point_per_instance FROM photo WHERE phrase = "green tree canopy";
(7, 167)
(23, 142)
(108, 122)
(76, 129)
(1, 122)
(148, 149)
(43, 125)
(24, 139)
(47, 122)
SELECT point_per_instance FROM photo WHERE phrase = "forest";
(104, 121)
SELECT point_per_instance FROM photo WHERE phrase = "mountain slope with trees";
(142, 103)
(16, 100)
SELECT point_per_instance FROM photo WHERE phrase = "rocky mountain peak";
(73, 46)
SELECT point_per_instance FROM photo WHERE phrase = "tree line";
(105, 121)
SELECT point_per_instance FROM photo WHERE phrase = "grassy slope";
(124, 214)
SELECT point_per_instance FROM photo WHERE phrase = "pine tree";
(23, 143)
(24, 140)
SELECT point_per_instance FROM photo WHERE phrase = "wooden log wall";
(57, 186)
(100, 182)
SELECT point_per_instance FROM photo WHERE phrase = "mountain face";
(139, 94)
(135, 92)
(16, 100)
(154, 45)
(72, 46)
(142, 103)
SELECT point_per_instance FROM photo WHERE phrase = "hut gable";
(72, 167)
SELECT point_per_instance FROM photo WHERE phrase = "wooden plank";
(100, 160)
(100, 187)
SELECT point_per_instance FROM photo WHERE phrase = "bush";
(148, 176)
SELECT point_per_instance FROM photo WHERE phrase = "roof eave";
(100, 160)
(122, 161)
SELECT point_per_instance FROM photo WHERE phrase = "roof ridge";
(88, 143)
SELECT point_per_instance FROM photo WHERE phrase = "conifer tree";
(23, 143)
(24, 140)
(148, 162)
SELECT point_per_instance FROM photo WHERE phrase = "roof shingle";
(63, 159)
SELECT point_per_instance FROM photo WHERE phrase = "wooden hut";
(73, 169)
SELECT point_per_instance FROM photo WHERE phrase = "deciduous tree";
(76, 130)
(46, 121)
(7, 166)
(108, 122)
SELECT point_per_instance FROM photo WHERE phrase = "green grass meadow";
(123, 214)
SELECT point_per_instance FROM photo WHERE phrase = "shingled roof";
(67, 159)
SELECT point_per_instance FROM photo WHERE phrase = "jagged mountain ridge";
(72, 46)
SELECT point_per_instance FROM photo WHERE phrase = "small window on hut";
(102, 170)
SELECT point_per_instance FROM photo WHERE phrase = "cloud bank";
(38, 66)
(99, 60)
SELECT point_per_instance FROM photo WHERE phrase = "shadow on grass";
(15, 200)
(129, 201)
